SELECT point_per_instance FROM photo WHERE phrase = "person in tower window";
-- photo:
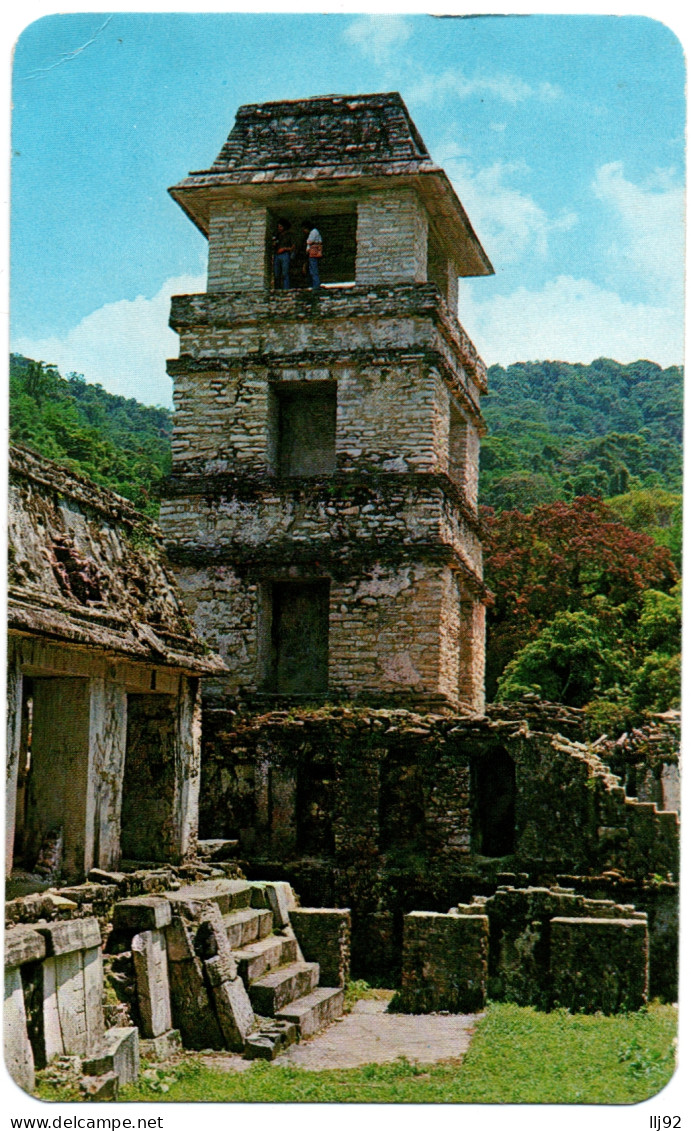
(284, 250)
(314, 253)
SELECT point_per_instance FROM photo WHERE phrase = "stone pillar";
(14, 735)
(237, 246)
(471, 691)
(72, 986)
(22, 945)
(107, 741)
(391, 238)
(188, 740)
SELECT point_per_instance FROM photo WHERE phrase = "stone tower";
(322, 509)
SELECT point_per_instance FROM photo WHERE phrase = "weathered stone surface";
(162, 1047)
(271, 1039)
(193, 899)
(211, 939)
(142, 913)
(314, 1011)
(235, 1013)
(120, 1055)
(192, 1012)
(324, 937)
(23, 944)
(153, 990)
(74, 935)
(280, 898)
(599, 965)
(444, 962)
(72, 1004)
(99, 1089)
(19, 1057)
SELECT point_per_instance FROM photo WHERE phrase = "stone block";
(162, 1047)
(153, 989)
(235, 1013)
(324, 937)
(218, 970)
(99, 1088)
(69, 936)
(120, 1055)
(23, 944)
(599, 965)
(72, 1005)
(142, 913)
(19, 1057)
(444, 962)
(179, 940)
(280, 899)
(193, 899)
(192, 1011)
(211, 939)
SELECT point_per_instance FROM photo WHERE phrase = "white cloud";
(122, 345)
(569, 320)
(510, 224)
(378, 37)
(506, 87)
(648, 226)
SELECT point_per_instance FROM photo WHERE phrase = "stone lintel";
(67, 936)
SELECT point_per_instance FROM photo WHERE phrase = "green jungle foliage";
(557, 431)
(115, 441)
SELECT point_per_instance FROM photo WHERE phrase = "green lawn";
(517, 1056)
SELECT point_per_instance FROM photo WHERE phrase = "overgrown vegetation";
(117, 442)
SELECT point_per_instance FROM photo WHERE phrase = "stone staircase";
(284, 990)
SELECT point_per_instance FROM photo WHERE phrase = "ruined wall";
(385, 811)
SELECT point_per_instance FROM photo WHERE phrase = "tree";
(562, 557)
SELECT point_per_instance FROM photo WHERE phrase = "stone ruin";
(322, 523)
(322, 517)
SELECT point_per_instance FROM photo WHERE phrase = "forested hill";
(116, 441)
(557, 431)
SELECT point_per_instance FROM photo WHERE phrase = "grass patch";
(517, 1056)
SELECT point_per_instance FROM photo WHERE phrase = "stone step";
(273, 991)
(258, 958)
(230, 895)
(314, 1011)
(247, 925)
(270, 1039)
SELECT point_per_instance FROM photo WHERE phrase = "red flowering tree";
(559, 558)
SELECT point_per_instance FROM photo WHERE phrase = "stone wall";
(391, 238)
(384, 811)
(238, 246)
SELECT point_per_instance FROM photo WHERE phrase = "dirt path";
(369, 1035)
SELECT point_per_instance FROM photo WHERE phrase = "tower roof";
(367, 130)
(323, 143)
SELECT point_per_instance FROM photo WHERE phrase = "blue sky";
(564, 137)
